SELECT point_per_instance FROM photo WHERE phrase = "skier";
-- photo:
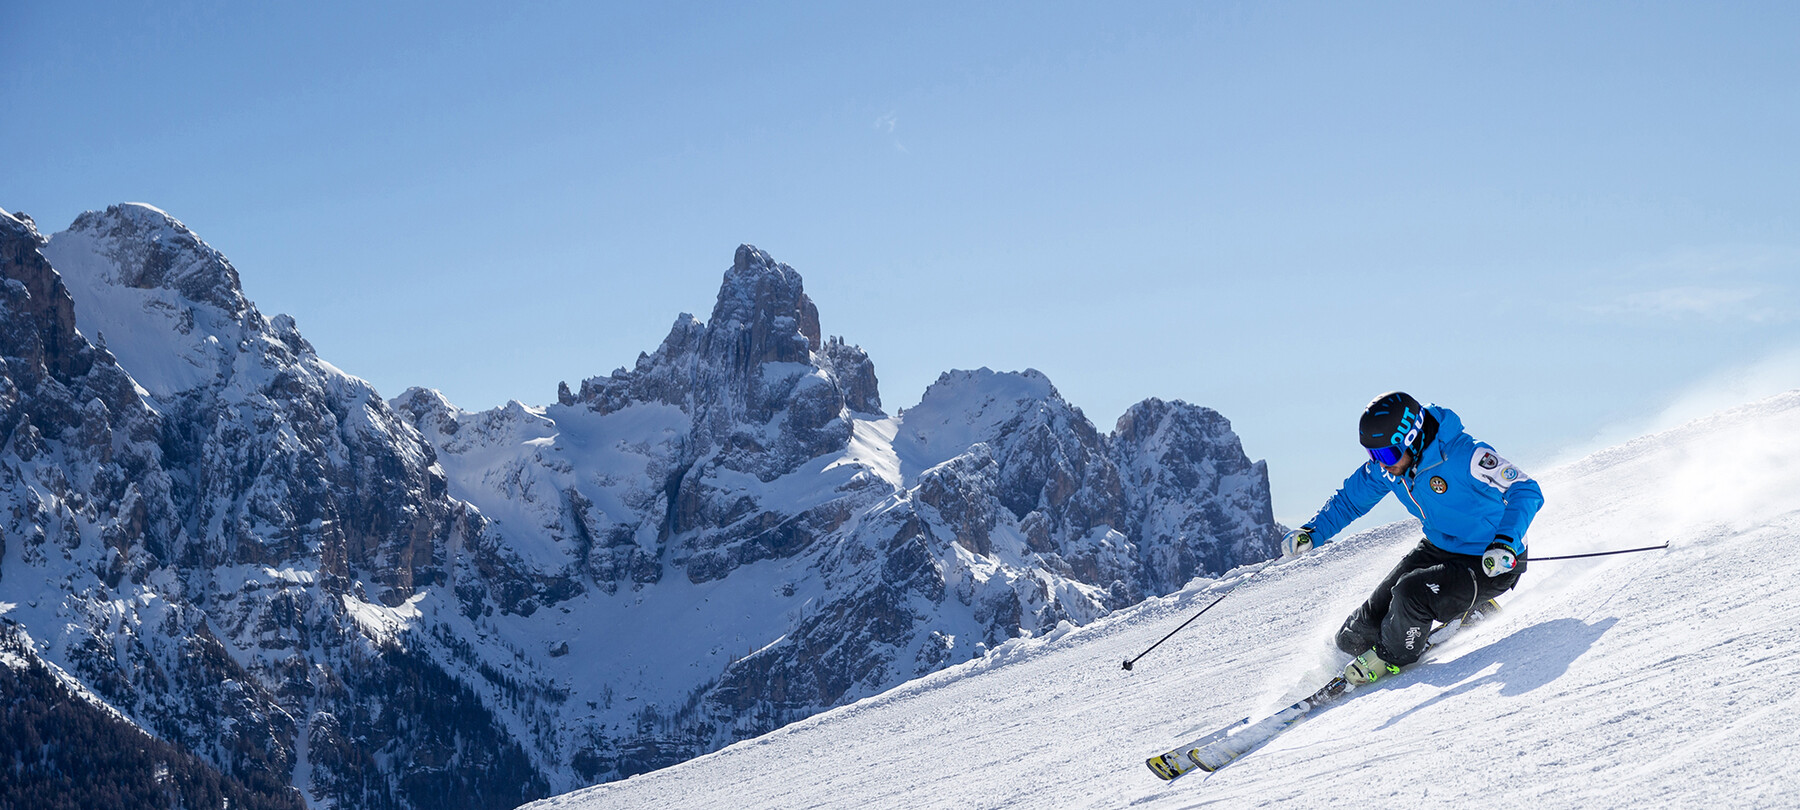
(1473, 505)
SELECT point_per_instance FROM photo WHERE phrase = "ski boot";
(1368, 668)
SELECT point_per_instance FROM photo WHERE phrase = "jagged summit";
(760, 291)
(17, 223)
(151, 250)
(170, 306)
(760, 384)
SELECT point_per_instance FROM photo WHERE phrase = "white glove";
(1498, 559)
(1296, 543)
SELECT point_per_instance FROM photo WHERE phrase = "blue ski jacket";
(1461, 490)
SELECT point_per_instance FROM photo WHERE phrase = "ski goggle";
(1386, 456)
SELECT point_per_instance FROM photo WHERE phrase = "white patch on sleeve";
(1487, 465)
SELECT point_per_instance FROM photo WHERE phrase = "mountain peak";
(18, 223)
(152, 250)
(768, 296)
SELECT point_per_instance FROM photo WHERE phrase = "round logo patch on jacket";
(1487, 466)
(1438, 485)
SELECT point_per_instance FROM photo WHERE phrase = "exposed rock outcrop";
(250, 554)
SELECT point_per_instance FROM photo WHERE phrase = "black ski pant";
(1429, 585)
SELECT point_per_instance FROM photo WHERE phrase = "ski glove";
(1498, 559)
(1296, 543)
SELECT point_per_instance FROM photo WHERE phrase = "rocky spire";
(763, 314)
(760, 359)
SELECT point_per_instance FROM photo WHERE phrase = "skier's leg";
(1358, 633)
(1363, 627)
(1437, 593)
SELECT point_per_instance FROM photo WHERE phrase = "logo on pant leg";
(1412, 637)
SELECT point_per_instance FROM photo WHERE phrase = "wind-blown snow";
(1644, 680)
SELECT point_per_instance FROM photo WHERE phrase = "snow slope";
(1657, 679)
(170, 304)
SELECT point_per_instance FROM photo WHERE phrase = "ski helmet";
(1392, 423)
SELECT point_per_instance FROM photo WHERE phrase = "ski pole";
(1203, 610)
(1598, 553)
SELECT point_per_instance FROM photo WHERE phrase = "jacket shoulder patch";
(1487, 466)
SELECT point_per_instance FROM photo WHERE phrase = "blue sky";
(1569, 222)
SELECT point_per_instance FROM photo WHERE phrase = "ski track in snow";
(1656, 679)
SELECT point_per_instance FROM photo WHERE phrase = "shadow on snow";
(1529, 658)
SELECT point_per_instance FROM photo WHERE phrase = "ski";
(1179, 761)
(1222, 747)
(1228, 744)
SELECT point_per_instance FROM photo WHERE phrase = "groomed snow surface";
(1661, 679)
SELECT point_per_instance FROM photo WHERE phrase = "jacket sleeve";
(1519, 493)
(1360, 492)
(1522, 499)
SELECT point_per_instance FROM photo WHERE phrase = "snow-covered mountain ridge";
(200, 551)
(360, 603)
(1657, 679)
(738, 536)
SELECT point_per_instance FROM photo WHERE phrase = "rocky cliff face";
(202, 533)
(288, 456)
(1197, 504)
(251, 555)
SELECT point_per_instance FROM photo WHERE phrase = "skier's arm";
(1360, 492)
(1522, 499)
(1518, 492)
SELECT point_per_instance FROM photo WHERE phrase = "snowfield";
(1659, 679)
